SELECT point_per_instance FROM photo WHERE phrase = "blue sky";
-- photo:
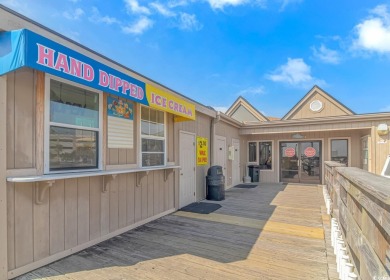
(271, 52)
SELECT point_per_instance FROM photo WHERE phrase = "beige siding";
(200, 127)
(229, 132)
(21, 119)
(331, 108)
(74, 212)
(324, 137)
(380, 148)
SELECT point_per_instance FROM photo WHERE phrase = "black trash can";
(215, 183)
(254, 172)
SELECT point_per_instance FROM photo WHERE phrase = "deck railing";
(360, 202)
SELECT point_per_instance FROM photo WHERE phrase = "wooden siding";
(330, 108)
(273, 176)
(76, 211)
(20, 131)
(229, 132)
(380, 148)
(200, 127)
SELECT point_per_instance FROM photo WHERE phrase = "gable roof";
(242, 103)
(317, 90)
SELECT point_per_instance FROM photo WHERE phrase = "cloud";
(220, 4)
(220, 108)
(189, 22)
(373, 34)
(295, 72)
(73, 1)
(326, 55)
(133, 7)
(179, 3)
(385, 109)
(285, 3)
(252, 91)
(163, 10)
(139, 27)
(73, 15)
(96, 17)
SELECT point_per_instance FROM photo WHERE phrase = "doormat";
(201, 207)
(246, 186)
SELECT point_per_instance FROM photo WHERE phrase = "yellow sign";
(202, 155)
(167, 102)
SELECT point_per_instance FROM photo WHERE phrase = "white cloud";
(220, 4)
(96, 17)
(179, 3)
(189, 22)
(17, 5)
(73, 15)
(139, 26)
(373, 33)
(288, 2)
(252, 91)
(163, 10)
(134, 7)
(220, 108)
(74, 1)
(326, 55)
(295, 72)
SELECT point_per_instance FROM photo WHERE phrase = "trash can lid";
(215, 170)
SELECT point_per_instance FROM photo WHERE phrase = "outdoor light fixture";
(382, 129)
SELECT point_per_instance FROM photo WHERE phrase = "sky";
(271, 52)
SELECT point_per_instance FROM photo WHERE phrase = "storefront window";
(74, 127)
(252, 151)
(152, 137)
(265, 155)
(339, 150)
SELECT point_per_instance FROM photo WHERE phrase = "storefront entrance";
(300, 162)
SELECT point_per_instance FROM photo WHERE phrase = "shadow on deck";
(273, 231)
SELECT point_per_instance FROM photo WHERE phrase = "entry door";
(220, 152)
(300, 162)
(236, 162)
(187, 169)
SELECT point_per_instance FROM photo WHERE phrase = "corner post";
(3, 180)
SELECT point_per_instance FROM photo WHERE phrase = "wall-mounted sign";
(310, 152)
(167, 102)
(202, 157)
(120, 127)
(24, 48)
(289, 152)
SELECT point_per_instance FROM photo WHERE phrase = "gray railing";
(361, 205)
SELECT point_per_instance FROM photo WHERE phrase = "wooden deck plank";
(273, 231)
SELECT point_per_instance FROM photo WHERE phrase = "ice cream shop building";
(90, 149)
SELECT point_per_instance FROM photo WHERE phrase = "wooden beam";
(40, 108)
(3, 178)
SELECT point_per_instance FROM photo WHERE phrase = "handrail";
(361, 205)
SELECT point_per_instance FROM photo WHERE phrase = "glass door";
(300, 162)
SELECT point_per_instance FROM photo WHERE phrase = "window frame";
(151, 137)
(348, 148)
(48, 124)
(256, 152)
(272, 154)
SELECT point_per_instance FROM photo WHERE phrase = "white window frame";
(272, 157)
(151, 137)
(47, 125)
(349, 147)
(257, 151)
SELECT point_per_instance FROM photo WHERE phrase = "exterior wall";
(200, 127)
(230, 132)
(75, 213)
(273, 175)
(242, 114)
(380, 148)
(330, 108)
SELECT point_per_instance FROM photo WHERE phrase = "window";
(152, 137)
(339, 150)
(252, 151)
(74, 128)
(265, 155)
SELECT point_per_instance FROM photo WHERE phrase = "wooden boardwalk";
(273, 231)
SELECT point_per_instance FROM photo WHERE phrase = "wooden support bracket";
(106, 180)
(41, 189)
(139, 177)
(167, 172)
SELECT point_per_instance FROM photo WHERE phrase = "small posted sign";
(202, 156)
